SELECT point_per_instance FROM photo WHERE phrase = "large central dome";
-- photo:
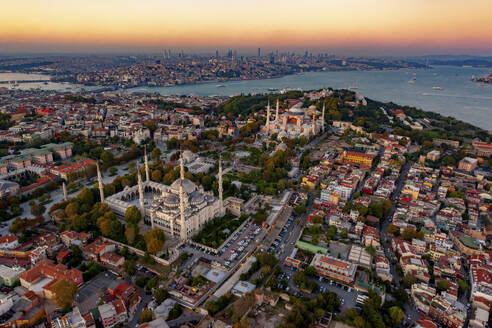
(188, 186)
(296, 111)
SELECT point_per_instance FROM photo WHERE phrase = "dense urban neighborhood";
(174, 67)
(318, 208)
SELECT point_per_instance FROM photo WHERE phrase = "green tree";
(155, 154)
(107, 156)
(145, 316)
(371, 250)
(156, 176)
(300, 209)
(133, 215)
(462, 286)
(160, 295)
(442, 285)
(37, 209)
(396, 315)
(86, 197)
(72, 209)
(130, 267)
(409, 280)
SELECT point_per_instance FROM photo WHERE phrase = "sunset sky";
(373, 27)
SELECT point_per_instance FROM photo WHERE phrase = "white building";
(180, 209)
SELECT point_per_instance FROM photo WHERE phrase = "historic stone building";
(294, 122)
(180, 209)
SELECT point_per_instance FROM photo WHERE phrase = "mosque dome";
(188, 186)
(296, 111)
(188, 156)
(171, 200)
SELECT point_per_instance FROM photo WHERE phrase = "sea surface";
(459, 97)
(45, 85)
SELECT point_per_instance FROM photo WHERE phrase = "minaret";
(313, 126)
(64, 191)
(140, 193)
(323, 118)
(99, 179)
(221, 202)
(277, 118)
(181, 165)
(267, 124)
(181, 200)
(181, 211)
(147, 176)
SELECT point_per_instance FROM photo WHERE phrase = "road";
(411, 313)
(145, 299)
(185, 317)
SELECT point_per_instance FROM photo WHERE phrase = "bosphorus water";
(447, 90)
(459, 97)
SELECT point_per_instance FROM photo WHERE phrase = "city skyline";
(357, 28)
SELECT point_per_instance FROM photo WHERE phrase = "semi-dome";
(197, 198)
(171, 200)
(188, 186)
(188, 156)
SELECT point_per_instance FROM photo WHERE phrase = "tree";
(160, 295)
(133, 215)
(64, 291)
(72, 209)
(107, 156)
(155, 154)
(130, 267)
(113, 171)
(156, 175)
(131, 233)
(37, 209)
(442, 285)
(145, 316)
(409, 280)
(300, 209)
(104, 224)
(155, 233)
(396, 315)
(401, 295)
(86, 197)
(310, 271)
(371, 250)
(392, 229)
(462, 286)
(154, 246)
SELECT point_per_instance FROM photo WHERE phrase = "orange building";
(358, 158)
(45, 274)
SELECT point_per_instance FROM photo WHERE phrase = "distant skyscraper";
(217, 54)
(259, 52)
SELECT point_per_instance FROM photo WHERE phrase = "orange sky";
(101, 25)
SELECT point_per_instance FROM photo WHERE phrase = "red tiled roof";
(7, 239)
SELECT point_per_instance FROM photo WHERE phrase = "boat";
(437, 88)
(353, 87)
(411, 82)
(220, 86)
(272, 89)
